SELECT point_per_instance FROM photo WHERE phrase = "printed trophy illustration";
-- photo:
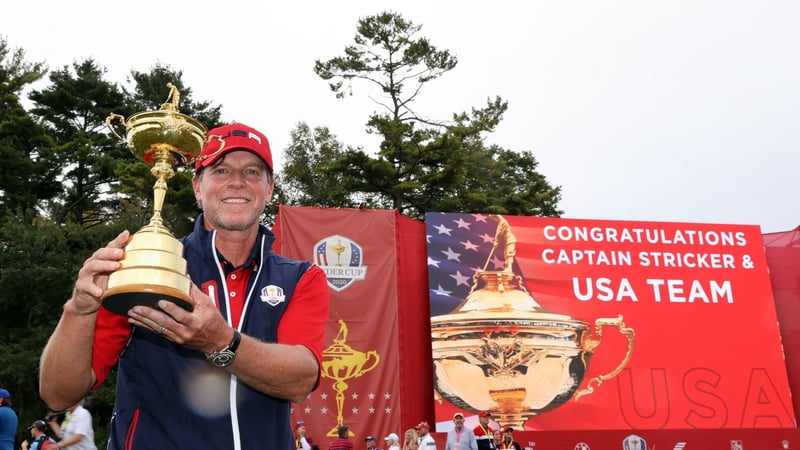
(340, 362)
(153, 267)
(500, 351)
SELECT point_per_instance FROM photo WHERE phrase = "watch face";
(223, 358)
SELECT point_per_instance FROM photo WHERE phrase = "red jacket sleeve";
(111, 333)
(304, 321)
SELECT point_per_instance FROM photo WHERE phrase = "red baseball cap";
(236, 136)
(484, 414)
(422, 425)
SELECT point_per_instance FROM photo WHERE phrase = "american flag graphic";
(322, 254)
(459, 245)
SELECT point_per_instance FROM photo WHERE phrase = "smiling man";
(224, 374)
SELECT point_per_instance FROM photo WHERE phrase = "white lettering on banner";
(357, 273)
(671, 291)
(606, 292)
(688, 260)
(591, 257)
(644, 236)
(675, 293)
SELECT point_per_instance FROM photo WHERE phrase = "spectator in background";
(498, 438)
(76, 431)
(8, 421)
(371, 444)
(460, 438)
(426, 441)
(411, 439)
(508, 440)
(343, 441)
(40, 439)
(301, 440)
(392, 441)
(483, 432)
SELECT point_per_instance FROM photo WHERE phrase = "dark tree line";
(68, 186)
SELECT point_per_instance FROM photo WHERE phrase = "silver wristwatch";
(224, 357)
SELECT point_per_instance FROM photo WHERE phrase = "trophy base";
(121, 299)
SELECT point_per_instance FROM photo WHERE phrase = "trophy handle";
(208, 139)
(592, 343)
(376, 360)
(111, 118)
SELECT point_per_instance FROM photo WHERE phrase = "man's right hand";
(93, 276)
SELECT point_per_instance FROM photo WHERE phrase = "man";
(371, 444)
(426, 441)
(460, 438)
(8, 421)
(483, 432)
(343, 442)
(40, 439)
(301, 440)
(223, 375)
(508, 440)
(76, 432)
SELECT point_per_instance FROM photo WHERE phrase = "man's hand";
(93, 276)
(203, 329)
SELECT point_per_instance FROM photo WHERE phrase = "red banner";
(783, 258)
(600, 325)
(360, 252)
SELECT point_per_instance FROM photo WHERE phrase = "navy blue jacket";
(169, 396)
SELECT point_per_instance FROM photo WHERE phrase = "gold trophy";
(340, 362)
(499, 351)
(153, 267)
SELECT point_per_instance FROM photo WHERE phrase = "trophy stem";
(162, 170)
(340, 387)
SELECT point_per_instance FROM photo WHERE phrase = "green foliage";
(26, 172)
(386, 53)
(38, 264)
(307, 178)
(74, 109)
(421, 165)
(150, 91)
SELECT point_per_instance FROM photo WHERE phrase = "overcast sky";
(681, 110)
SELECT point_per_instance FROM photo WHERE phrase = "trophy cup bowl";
(153, 267)
(182, 135)
(500, 352)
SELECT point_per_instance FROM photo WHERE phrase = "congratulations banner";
(564, 324)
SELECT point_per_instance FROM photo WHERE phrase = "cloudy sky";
(679, 111)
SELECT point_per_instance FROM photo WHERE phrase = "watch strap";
(225, 356)
(237, 339)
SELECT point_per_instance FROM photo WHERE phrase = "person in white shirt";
(76, 431)
(301, 439)
(460, 438)
(393, 441)
(426, 441)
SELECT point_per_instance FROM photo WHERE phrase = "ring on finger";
(162, 330)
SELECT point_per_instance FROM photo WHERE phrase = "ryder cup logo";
(341, 259)
(273, 295)
(634, 442)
